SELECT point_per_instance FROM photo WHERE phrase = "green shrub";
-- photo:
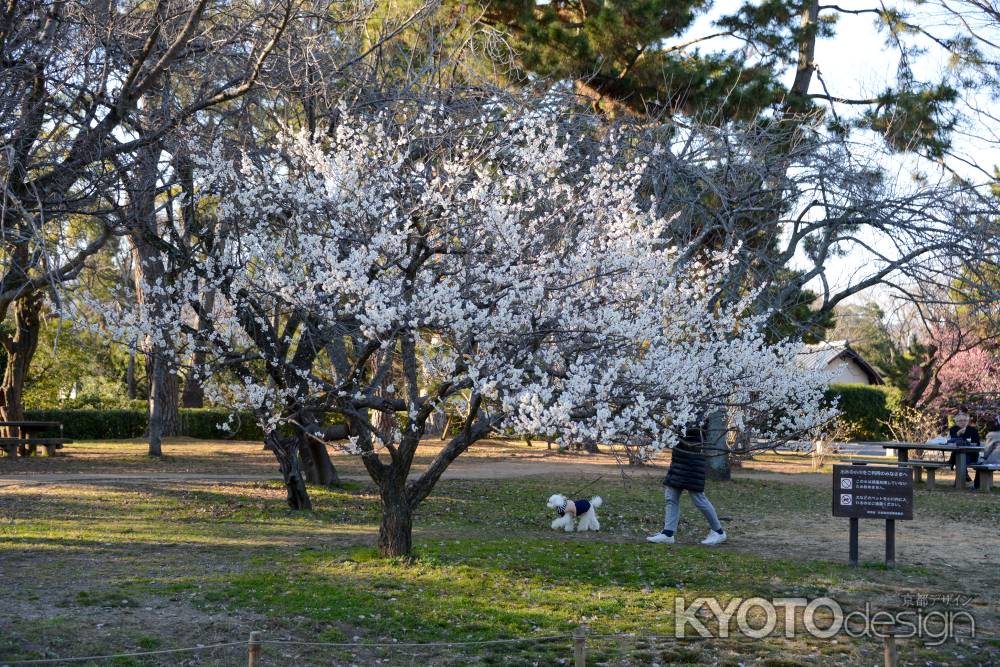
(94, 424)
(867, 408)
(122, 424)
(86, 403)
(207, 423)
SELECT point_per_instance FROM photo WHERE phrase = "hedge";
(867, 408)
(94, 424)
(120, 424)
(205, 423)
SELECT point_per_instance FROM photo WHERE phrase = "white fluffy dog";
(581, 510)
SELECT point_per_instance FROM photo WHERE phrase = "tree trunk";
(20, 349)
(162, 398)
(164, 415)
(169, 393)
(148, 270)
(806, 65)
(718, 456)
(326, 474)
(395, 532)
(130, 376)
(384, 421)
(286, 450)
(307, 463)
(399, 498)
(194, 392)
(926, 375)
(155, 410)
(298, 496)
(634, 455)
(316, 463)
(436, 425)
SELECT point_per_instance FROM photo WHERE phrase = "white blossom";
(543, 283)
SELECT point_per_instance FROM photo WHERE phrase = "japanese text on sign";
(872, 492)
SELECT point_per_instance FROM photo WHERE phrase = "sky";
(857, 63)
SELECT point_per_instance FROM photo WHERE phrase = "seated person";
(963, 431)
(992, 454)
(992, 442)
(992, 431)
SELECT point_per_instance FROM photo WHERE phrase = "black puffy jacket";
(687, 467)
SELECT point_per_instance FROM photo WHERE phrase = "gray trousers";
(701, 501)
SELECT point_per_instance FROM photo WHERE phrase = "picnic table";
(961, 455)
(26, 441)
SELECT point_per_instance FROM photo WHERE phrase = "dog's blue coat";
(582, 506)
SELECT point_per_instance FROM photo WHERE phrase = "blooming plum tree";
(500, 263)
(961, 366)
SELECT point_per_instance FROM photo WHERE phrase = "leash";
(586, 486)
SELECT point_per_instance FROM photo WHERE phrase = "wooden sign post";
(873, 492)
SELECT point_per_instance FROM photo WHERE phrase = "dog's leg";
(560, 522)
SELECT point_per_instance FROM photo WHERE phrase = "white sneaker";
(714, 538)
(661, 538)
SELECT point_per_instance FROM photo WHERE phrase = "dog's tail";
(596, 501)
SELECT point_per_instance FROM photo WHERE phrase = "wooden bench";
(29, 446)
(920, 466)
(984, 475)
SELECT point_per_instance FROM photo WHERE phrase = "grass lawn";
(89, 569)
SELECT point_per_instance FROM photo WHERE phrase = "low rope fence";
(579, 649)
(259, 652)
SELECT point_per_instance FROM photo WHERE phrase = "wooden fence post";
(890, 543)
(580, 647)
(253, 650)
(889, 649)
(852, 543)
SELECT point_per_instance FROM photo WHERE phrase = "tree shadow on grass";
(249, 552)
(480, 590)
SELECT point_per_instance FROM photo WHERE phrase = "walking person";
(687, 472)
